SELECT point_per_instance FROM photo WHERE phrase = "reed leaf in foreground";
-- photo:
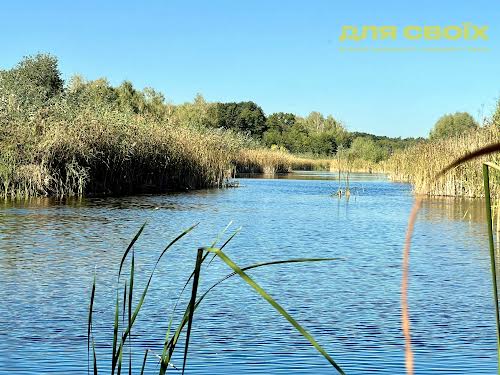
(167, 336)
(274, 304)
(144, 361)
(405, 316)
(131, 289)
(187, 318)
(192, 302)
(89, 330)
(491, 243)
(138, 307)
(129, 247)
(169, 346)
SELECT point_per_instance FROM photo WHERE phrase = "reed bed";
(356, 166)
(419, 164)
(489, 151)
(268, 161)
(110, 152)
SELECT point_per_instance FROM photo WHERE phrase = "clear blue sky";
(284, 55)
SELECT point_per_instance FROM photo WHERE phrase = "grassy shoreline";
(418, 164)
(88, 138)
(110, 154)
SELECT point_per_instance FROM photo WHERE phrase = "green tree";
(297, 138)
(246, 117)
(129, 99)
(323, 143)
(367, 149)
(31, 83)
(198, 114)
(452, 124)
(276, 124)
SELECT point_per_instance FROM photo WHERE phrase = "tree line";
(35, 83)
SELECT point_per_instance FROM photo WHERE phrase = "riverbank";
(418, 165)
(269, 162)
(65, 152)
(108, 152)
(86, 152)
(87, 138)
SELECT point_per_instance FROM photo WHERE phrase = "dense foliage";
(90, 136)
(451, 125)
(245, 117)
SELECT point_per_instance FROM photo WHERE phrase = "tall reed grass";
(356, 166)
(268, 161)
(272, 161)
(110, 152)
(163, 362)
(489, 151)
(419, 164)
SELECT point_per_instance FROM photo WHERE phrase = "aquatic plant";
(419, 164)
(171, 340)
(491, 243)
(405, 311)
(272, 161)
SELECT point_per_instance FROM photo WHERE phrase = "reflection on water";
(318, 175)
(49, 250)
(463, 209)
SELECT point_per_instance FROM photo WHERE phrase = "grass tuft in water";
(187, 321)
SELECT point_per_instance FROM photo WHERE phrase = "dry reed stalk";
(419, 164)
(478, 153)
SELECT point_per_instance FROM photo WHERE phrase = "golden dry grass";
(356, 165)
(110, 153)
(267, 161)
(419, 164)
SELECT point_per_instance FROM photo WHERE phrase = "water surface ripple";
(48, 253)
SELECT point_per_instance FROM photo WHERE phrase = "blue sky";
(284, 55)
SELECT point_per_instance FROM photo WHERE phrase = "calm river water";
(49, 251)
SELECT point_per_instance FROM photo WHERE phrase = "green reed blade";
(144, 362)
(115, 335)
(192, 274)
(136, 237)
(124, 302)
(167, 336)
(486, 179)
(169, 347)
(173, 342)
(131, 288)
(89, 328)
(276, 306)
(94, 357)
(274, 262)
(221, 233)
(145, 291)
(191, 304)
(257, 265)
(225, 243)
(120, 356)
